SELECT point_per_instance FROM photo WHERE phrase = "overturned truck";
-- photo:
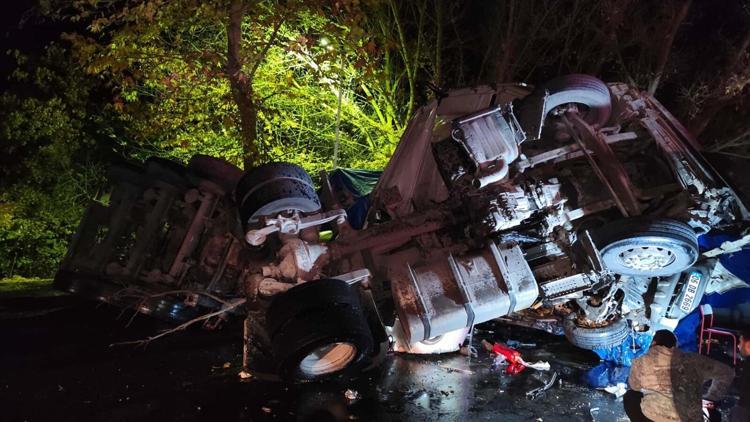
(576, 205)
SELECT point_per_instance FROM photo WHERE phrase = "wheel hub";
(328, 358)
(646, 258)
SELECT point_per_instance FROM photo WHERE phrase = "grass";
(17, 286)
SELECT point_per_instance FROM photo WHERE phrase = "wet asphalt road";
(56, 364)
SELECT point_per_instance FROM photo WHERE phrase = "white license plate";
(690, 292)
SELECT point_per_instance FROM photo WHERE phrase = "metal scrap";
(519, 345)
(533, 394)
(452, 369)
(728, 247)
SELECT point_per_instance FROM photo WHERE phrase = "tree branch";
(184, 325)
(267, 46)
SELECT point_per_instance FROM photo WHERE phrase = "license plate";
(690, 292)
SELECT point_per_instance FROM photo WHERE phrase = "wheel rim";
(651, 256)
(328, 358)
(647, 258)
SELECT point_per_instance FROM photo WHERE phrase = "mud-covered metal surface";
(56, 363)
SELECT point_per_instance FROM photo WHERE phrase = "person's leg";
(632, 403)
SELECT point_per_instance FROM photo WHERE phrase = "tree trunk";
(439, 18)
(503, 72)
(242, 86)
(666, 47)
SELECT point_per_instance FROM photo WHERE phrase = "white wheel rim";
(647, 258)
(328, 358)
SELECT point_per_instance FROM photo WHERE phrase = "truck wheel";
(318, 329)
(651, 247)
(273, 188)
(587, 92)
(584, 90)
(594, 338)
(221, 172)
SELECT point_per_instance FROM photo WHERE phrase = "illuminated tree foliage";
(53, 139)
(249, 82)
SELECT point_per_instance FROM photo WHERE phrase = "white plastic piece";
(722, 280)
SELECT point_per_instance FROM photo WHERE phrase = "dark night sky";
(30, 37)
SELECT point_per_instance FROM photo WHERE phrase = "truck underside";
(574, 207)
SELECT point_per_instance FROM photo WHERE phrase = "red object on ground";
(512, 356)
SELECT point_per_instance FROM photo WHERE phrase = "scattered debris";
(225, 365)
(463, 371)
(469, 351)
(228, 306)
(618, 389)
(533, 394)
(519, 345)
(497, 362)
(505, 355)
(244, 375)
(510, 356)
(266, 409)
(728, 247)
(594, 411)
(352, 395)
(722, 280)
(539, 366)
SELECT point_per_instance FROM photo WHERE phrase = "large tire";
(279, 196)
(318, 329)
(583, 90)
(221, 172)
(595, 338)
(273, 188)
(263, 173)
(650, 247)
(580, 89)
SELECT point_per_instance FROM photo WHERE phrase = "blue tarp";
(606, 374)
(686, 332)
(636, 344)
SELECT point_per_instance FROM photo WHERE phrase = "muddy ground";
(56, 364)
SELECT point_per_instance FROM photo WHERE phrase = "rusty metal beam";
(604, 163)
